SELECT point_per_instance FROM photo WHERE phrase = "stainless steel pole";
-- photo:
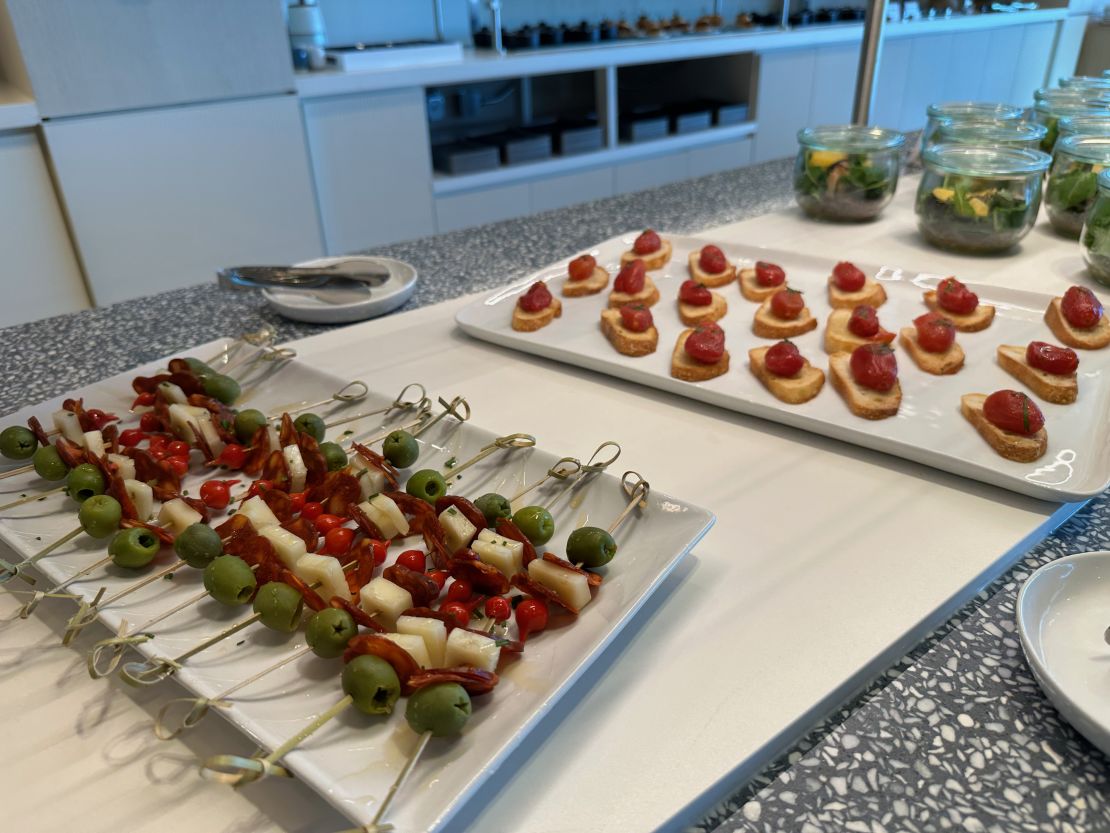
(870, 50)
(438, 9)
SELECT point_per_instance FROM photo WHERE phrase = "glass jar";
(1085, 82)
(1014, 134)
(1096, 233)
(1053, 105)
(967, 111)
(1071, 188)
(847, 172)
(979, 199)
(1084, 125)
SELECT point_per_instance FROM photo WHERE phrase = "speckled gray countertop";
(956, 736)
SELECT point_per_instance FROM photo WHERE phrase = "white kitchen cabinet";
(784, 100)
(894, 68)
(834, 84)
(725, 156)
(641, 174)
(474, 208)
(160, 199)
(554, 192)
(1041, 55)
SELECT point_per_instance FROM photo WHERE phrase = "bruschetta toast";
(793, 388)
(1060, 388)
(1023, 446)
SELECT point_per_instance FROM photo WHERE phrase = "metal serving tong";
(354, 273)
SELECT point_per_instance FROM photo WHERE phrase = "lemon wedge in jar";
(826, 158)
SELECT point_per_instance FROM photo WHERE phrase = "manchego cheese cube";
(457, 529)
(385, 600)
(414, 645)
(258, 513)
(142, 496)
(287, 546)
(178, 516)
(473, 650)
(325, 570)
(572, 587)
(432, 631)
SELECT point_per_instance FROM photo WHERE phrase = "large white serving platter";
(353, 761)
(928, 428)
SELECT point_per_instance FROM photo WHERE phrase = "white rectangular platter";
(353, 761)
(928, 428)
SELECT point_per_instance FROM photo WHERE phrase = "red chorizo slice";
(304, 529)
(161, 534)
(276, 470)
(37, 429)
(288, 432)
(364, 522)
(279, 502)
(593, 579)
(310, 596)
(340, 490)
(197, 505)
(522, 582)
(259, 451)
(366, 553)
(469, 511)
(110, 433)
(161, 479)
(426, 612)
(118, 490)
(360, 616)
(234, 525)
(423, 590)
(511, 531)
(391, 652)
(71, 453)
(377, 461)
(485, 578)
(424, 522)
(476, 681)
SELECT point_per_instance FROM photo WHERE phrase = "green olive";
(279, 606)
(441, 709)
(134, 548)
(494, 506)
(84, 481)
(334, 455)
(247, 424)
(221, 387)
(372, 684)
(427, 484)
(312, 425)
(48, 463)
(100, 515)
(590, 547)
(401, 449)
(536, 523)
(199, 368)
(17, 442)
(198, 545)
(229, 580)
(329, 631)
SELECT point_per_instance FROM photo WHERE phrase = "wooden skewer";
(351, 392)
(400, 403)
(16, 471)
(32, 498)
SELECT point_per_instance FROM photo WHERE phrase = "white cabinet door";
(783, 102)
(834, 84)
(476, 208)
(160, 199)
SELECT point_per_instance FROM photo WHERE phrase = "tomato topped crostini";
(630, 329)
(584, 277)
(760, 282)
(700, 354)
(633, 285)
(931, 343)
(848, 329)
(710, 267)
(1078, 319)
(867, 379)
(536, 308)
(1009, 421)
(785, 372)
(1049, 370)
(783, 315)
(849, 287)
(696, 304)
(960, 306)
(651, 249)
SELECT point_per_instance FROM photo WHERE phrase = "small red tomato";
(769, 274)
(326, 523)
(413, 559)
(647, 243)
(98, 418)
(531, 617)
(582, 267)
(783, 359)
(874, 367)
(131, 437)
(712, 260)
(1081, 308)
(636, 317)
(439, 577)
(338, 540)
(955, 297)
(695, 294)
(381, 548)
(297, 499)
(631, 277)
(706, 344)
(179, 465)
(787, 304)
(935, 333)
(864, 321)
(1059, 361)
(459, 611)
(144, 400)
(158, 442)
(150, 422)
(259, 486)
(459, 591)
(312, 510)
(178, 448)
(1013, 411)
(498, 608)
(848, 277)
(216, 493)
(538, 297)
(233, 456)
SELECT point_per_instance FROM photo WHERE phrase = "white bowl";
(302, 306)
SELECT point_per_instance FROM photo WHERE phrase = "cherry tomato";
(98, 418)
(459, 591)
(712, 260)
(233, 456)
(955, 297)
(706, 344)
(158, 442)
(848, 277)
(144, 400)
(582, 267)
(787, 304)
(380, 550)
(259, 486)
(338, 540)
(178, 448)
(1013, 411)
(864, 321)
(531, 617)
(1081, 308)
(439, 577)
(217, 493)
(413, 559)
(769, 274)
(1060, 361)
(498, 608)
(538, 297)
(630, 279)
(312, 510)
(460, 611)
(935, 333)
(874, 367)
(636, 317)
(131, 437)
(178, 464)
(695, 294)
(298, 501)
(647, 243)
(783, 359)
(150, 422)
(326, 523)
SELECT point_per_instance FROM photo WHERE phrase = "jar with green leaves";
(1054, 104)
(1017, 134)
(1095, 239)
(1072, 185)
(847, 172)
(966, 111)
(1086, 82)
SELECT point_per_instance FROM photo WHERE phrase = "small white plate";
(1062, 612)
(301, 306)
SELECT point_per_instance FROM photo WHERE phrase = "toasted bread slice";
(692, 315)
(591, 286)
(839, 338)
(1016, 447)
(971, 323)
(1051, 387)
(939, 364)
(793, 390)
(1089, 338)
(627, 341)
(647, 296)
(527, 322)
(872, 293)
(752, 290)
(710, 279)
(655, 260)
(861, 401)
(769, 325)
(688, 370)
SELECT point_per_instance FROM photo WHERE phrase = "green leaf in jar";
(1072, 190)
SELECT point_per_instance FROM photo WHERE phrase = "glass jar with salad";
(1016, 134)
(1072, 187)
(1084, 125)
(1054, 104)
(1095, 239)
(847, 172)
(967, 111)
(979, 199)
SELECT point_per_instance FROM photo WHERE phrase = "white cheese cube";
(384, 600)
(94, 443)
(258, 513)
(325, 570)
(473, 650)
(287, 546)
(572, 587)
(184, 422)
(294, 462)
(414, 645)
(457, 529)
(370, 478)
(432, 631)
(388, 507)
(125, 466)
(172, 393)
(178, 516)
(503, 558)
(379, 519)
(210, 434)
(142, 496)
(69, 426)
(273, 438)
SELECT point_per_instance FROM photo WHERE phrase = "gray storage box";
(465, 158)
(691, 122)
(731, 114)
(585, 139)
(643, 128)
(523, 147)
